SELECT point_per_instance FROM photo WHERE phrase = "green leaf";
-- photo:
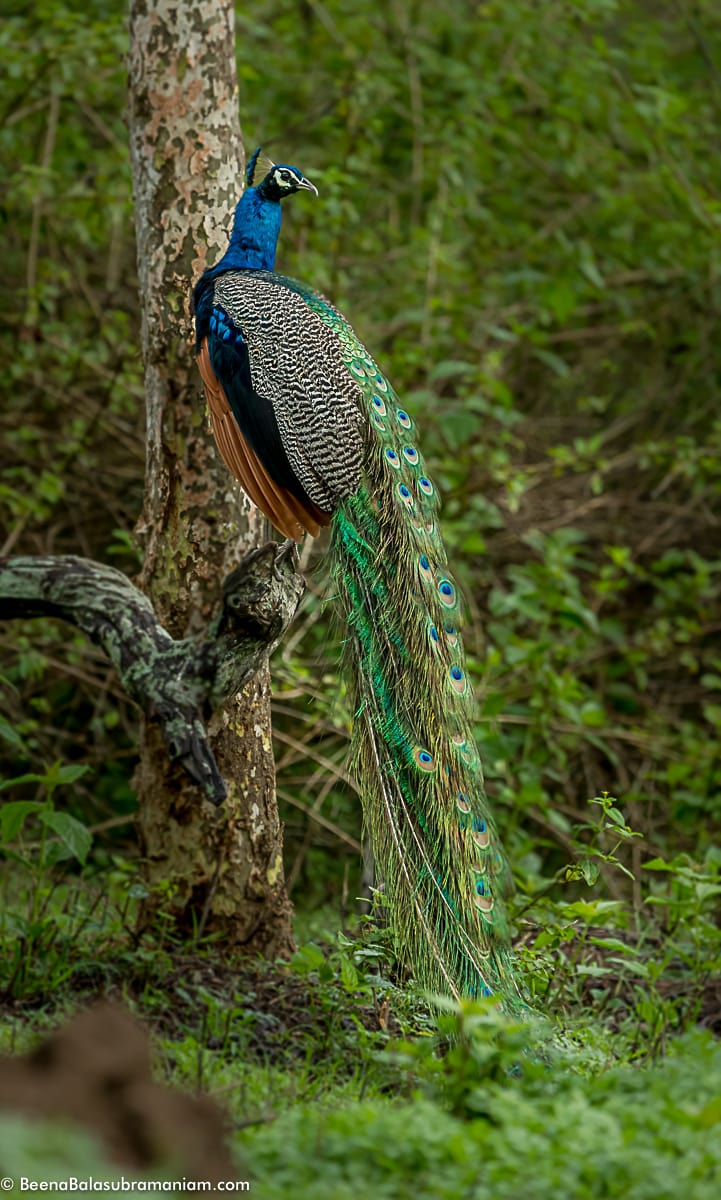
(554, 361)
(615, 817)
(73, 833)
(631, 968)
(592, 273)
(307, 958)
(55, 852)
(18, 858)
(69, 772)
(590, 872)
(612, 943)
(10, 735)
(31, 778)
(349, 975)
(593, 714)
(12, 817)
(658, 864)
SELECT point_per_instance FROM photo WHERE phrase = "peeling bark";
(188, 160)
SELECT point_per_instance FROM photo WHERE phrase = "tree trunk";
(220, 870)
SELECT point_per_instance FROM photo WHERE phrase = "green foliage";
(38, 941)
(70, 371)
(519, 214)
(539, 1131)
(451, 1102)
(46, 1150)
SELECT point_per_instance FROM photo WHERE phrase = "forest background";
(519, 211)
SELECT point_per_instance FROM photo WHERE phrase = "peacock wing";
(247, 434)
(296, 365)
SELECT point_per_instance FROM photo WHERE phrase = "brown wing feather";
(284, 510)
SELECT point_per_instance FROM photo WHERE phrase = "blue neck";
(255, 234)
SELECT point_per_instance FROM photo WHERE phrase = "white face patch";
(284, 178)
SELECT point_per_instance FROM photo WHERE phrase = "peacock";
(306, 421)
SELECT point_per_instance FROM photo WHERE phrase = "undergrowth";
(336, 1073)
(612, 1092)
(335, 1078)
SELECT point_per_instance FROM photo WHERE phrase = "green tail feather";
(419, 773)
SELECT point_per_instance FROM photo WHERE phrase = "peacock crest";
(259, 164)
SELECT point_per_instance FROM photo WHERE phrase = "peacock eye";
(285, 174)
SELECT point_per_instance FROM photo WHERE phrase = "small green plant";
(37, 836)
(73, 838)
(609, 825)
(645, 972)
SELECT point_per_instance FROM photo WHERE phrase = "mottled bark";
(187, 160)
(175, 683)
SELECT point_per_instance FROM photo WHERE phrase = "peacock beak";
(309, 187)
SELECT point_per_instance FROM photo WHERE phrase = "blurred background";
(519, 212)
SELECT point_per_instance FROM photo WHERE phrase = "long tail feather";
(434, 842)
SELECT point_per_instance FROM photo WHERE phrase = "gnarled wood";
(179, 683)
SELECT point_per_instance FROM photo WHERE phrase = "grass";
(336, 1076)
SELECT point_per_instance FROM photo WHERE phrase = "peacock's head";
(279, 181)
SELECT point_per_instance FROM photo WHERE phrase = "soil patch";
(96, 1072)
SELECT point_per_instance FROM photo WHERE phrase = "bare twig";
(321, 820)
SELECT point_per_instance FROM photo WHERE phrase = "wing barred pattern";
(288, 514)
(296, 364)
